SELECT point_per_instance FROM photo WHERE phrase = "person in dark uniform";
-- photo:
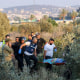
(40, 43)
(15, 47)
(20, 56)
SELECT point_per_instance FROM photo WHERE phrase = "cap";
(22, 38)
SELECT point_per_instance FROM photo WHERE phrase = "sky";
(61, 3)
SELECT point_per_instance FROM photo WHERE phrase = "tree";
(73, 15)
(45, 17)
(53, 22)
(14, 29)
(32, 17)
(4, 25)
(46, 26)
(28, 28)
(63, 14)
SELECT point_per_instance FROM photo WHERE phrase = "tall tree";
(32, 17)
(73, 15)
(63, 14)
(4, 25)
(45, 17)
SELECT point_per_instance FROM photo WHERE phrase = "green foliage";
(45, 17)
(14, 29)
(46, 26)
(68, 28)
(63, 34)
(78, 21)
(32, 17)
(67, 39)
(63, 14)
(42, 74)
(4, 25)
(28, 28)
(74, 14)
(53, 22)
(73, 59)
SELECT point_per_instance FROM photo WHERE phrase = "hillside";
(33, 8)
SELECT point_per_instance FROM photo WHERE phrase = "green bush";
(14, 29)
(28, 28)
(53, 22)
(46, 26)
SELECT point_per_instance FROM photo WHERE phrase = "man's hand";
(12, 55)
(19, 51)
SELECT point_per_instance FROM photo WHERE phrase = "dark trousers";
(39, 51)
(20, 62)
(48, 66)
(19, 58)
(28, 62)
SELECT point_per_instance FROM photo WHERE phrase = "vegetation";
(67, 40)
(63, 14)
(32, 17)
(45, 17)
(28, 28)
(4, 25)
(73, 15)
(53, 22)
(45, 26)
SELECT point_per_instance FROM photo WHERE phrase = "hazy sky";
(12, 3)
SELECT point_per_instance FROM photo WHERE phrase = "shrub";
(46, 26)
(4, 25)
(28, 28)
(14, 29)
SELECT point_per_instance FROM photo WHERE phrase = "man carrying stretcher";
(48, 51)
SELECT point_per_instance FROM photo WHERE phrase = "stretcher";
(54, 61)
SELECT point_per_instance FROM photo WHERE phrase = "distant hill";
(42, 8)
(23, 12)
(32, 8)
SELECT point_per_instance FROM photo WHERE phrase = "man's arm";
(25, 44)
(22, 45)
(55, 49)
(44, 53)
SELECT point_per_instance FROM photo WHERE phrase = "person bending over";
(30, 53)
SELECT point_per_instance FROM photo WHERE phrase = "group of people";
(28, 49)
